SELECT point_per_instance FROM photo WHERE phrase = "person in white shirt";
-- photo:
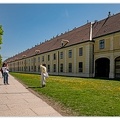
(44, 75)
(5, 73)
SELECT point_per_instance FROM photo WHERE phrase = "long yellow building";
(91, 50)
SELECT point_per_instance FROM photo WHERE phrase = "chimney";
(91, 31)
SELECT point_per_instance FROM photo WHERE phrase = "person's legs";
(43, 80)
(6, 78)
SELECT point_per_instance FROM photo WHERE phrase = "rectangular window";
(48, 68)
(48, 57)
(80, 67)
(70, 67)
(102, 44)
(42, 58)
(34, 60)
(61, 55)
(61, 67)
(29, 68)
(38, 68)
(31, 60)
(70, 54)
(34, 68)
(80, 51)
(38, 59)
(54, 68)
(54, 56)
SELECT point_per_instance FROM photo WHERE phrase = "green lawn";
(85, 96)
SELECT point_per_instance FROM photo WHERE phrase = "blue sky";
(26, 25)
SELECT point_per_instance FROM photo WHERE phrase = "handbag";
(45, 75)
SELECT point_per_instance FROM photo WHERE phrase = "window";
(31, 60)
(29, 68)
(34, 60)
(80, 67)
(70, 54)
(54, 56)
(48, 68)
(62, 44)
(61, 55)
(61, 67)
(70, 67)
(54, 68)
(38, 68)
(42, 58)
(34, 68)
(101, 44)
(38, 59)
(48, 57)
(80, 51)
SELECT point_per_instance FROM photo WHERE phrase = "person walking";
(5, 73)
(44, 75)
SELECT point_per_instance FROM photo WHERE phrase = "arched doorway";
(117, 67)
(102, 67)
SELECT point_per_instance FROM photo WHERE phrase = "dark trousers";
(5, 77)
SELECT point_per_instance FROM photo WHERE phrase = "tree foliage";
(0, 60)
(1, 33)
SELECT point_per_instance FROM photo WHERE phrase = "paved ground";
(16, 100)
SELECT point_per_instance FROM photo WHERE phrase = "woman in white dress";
(44, 75)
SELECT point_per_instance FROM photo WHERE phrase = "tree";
(0, 60)
(1, 33)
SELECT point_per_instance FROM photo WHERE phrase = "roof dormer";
(23, 56)
(16, 58)
(64, 42)
(37, 51)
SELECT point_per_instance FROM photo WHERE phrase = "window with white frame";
(61, 55)
(70, 54)
(102, 44)
(70, 67)
(80, 51)
(38, 59)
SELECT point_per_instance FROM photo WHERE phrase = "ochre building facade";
(91, 50)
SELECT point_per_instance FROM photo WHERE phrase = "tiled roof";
(75, 36)
(78, 35)
(109, 25)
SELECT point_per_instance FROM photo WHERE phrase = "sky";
(27, 24)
